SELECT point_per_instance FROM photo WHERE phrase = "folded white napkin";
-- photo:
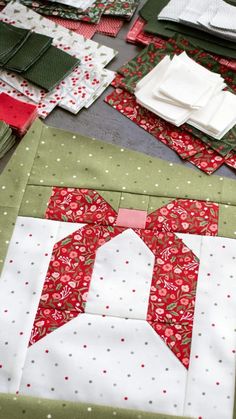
(188, 83)
(177, 115)
(192, 12)
(173, 10)
(207, 17)
(225, 17)
(218, 117)
(225, 115)
(216, 113)
(204, 115)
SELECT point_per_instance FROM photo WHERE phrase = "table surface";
(105, 123)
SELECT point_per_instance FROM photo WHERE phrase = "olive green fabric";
(12, 407)
(132, 201)
(52, 67)
(7, 139)
(12, 38)
(227, 221)
(7, 145)
(29, 53)
(35, 200)
(156, 202)
(7, 222)
(93, 164)
(13, 181)
(168, 29)
(113, 198)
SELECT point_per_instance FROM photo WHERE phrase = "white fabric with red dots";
(21, 285)
(121, 279)
(113, 360)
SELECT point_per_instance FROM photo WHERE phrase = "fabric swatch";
(108, 26)
(185, 146)
(207, 160)
(224, 18)
(178, 140)
(175, 90)
(89, 52)
(173, 10)
(231, 160)
(137, 35)
(144, 62)
(7, 139)
(19, 115)
(204, 20)
(169, 29)
(92, 14)
(53, 66)
(11, 40)
(120, 8)
(31, 51)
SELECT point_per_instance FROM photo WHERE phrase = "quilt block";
(118, 284)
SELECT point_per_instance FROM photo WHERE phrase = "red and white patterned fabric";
(109, 26)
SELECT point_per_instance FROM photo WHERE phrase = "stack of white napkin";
(214, 16)
(180, 90)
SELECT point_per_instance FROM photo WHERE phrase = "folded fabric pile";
(108, 25)
(191, 144)
(167, 18)
(214, 16)
(32, 55)
(7, 139)
(19, 115)
(180, 90)
(87, 17)
(138, 35)
(78, 89)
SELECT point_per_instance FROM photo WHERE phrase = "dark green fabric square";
(34, 47)
(11, 39)
(52, 67)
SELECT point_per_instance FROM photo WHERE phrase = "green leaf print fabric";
(92, 14)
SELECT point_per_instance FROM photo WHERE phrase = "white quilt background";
(112, 360)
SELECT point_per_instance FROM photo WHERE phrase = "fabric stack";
(19, 115)
(214, 16)
(161, 19)
(86, 17)
(65, 63)
(7, 139)
(180, 90)
(32, 56)
(140, 76)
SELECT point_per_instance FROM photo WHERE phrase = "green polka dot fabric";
(19, 407)
(48, 157)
